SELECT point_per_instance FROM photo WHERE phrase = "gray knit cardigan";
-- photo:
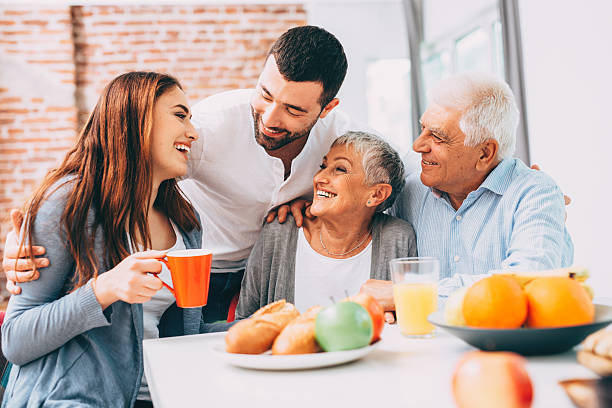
(270, 271)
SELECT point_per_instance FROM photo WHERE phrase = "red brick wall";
(37, 105)
(209, 48)
(55, 60)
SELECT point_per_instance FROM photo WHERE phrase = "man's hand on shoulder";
(298, 208)
(17, 265)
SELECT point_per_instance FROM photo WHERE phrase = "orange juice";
(413, 303)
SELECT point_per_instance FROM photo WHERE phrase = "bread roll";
(596, 352)
(298, 337)
(257, 333)
(598, 364)
(599, 343)
(582, 392)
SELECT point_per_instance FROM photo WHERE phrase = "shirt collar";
(500, 178)
(436, 193)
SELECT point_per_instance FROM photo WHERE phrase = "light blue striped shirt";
(514, 220)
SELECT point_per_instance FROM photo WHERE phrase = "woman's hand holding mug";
(130, 281)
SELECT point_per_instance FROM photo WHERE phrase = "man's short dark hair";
(310, 53)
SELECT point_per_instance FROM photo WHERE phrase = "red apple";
(374, 309)
(492, 379)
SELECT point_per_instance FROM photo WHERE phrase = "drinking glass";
(415, 293)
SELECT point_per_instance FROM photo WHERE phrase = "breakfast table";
(399, 372)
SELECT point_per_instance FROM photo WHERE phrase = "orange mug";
(190, 270)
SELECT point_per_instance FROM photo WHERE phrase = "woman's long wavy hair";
(112, 165)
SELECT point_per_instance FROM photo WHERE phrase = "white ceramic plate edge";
(291, 362)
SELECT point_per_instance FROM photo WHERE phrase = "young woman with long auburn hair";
(106, 215)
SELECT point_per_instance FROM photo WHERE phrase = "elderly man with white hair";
(472, 205)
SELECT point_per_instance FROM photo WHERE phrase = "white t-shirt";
(318, 277)
(153, 310)
(233, 182)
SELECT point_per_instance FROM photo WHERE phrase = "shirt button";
(456, 258)
(458, 218)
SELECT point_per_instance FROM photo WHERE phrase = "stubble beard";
(274, 143)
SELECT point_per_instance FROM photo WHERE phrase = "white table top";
(401, 372)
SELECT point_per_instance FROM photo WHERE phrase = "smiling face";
(339, 187)
(284, 111)
(171, 136)
(447, 164)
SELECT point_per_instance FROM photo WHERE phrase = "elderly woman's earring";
(368, 201)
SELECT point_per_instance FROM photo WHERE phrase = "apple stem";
(332, 300)
(346, 293)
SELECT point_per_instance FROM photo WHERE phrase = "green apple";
(343, 326)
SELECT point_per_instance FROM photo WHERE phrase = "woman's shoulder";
(392, 226)
(46, 220)
(387, 221)
(56, 195)
(278, 229)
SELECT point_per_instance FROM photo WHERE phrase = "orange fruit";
(558, 301)
(495, 302)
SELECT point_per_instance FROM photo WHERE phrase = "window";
(388, 100)
(468, 38)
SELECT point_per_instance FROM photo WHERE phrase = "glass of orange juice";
(415, 293)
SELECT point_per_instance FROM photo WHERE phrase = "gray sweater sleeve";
(44, 316)
(270, 271)
(391, 238)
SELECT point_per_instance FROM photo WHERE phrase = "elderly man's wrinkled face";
(447, 164)
(339, 187)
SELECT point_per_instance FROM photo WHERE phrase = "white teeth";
(182, 147)
(268, 130)
(327, 194)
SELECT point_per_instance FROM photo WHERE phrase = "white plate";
(267, 361)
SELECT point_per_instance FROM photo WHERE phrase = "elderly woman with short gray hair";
(348, 242)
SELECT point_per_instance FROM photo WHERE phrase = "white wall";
(368, 30)
(443, 17)
(568, 67)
